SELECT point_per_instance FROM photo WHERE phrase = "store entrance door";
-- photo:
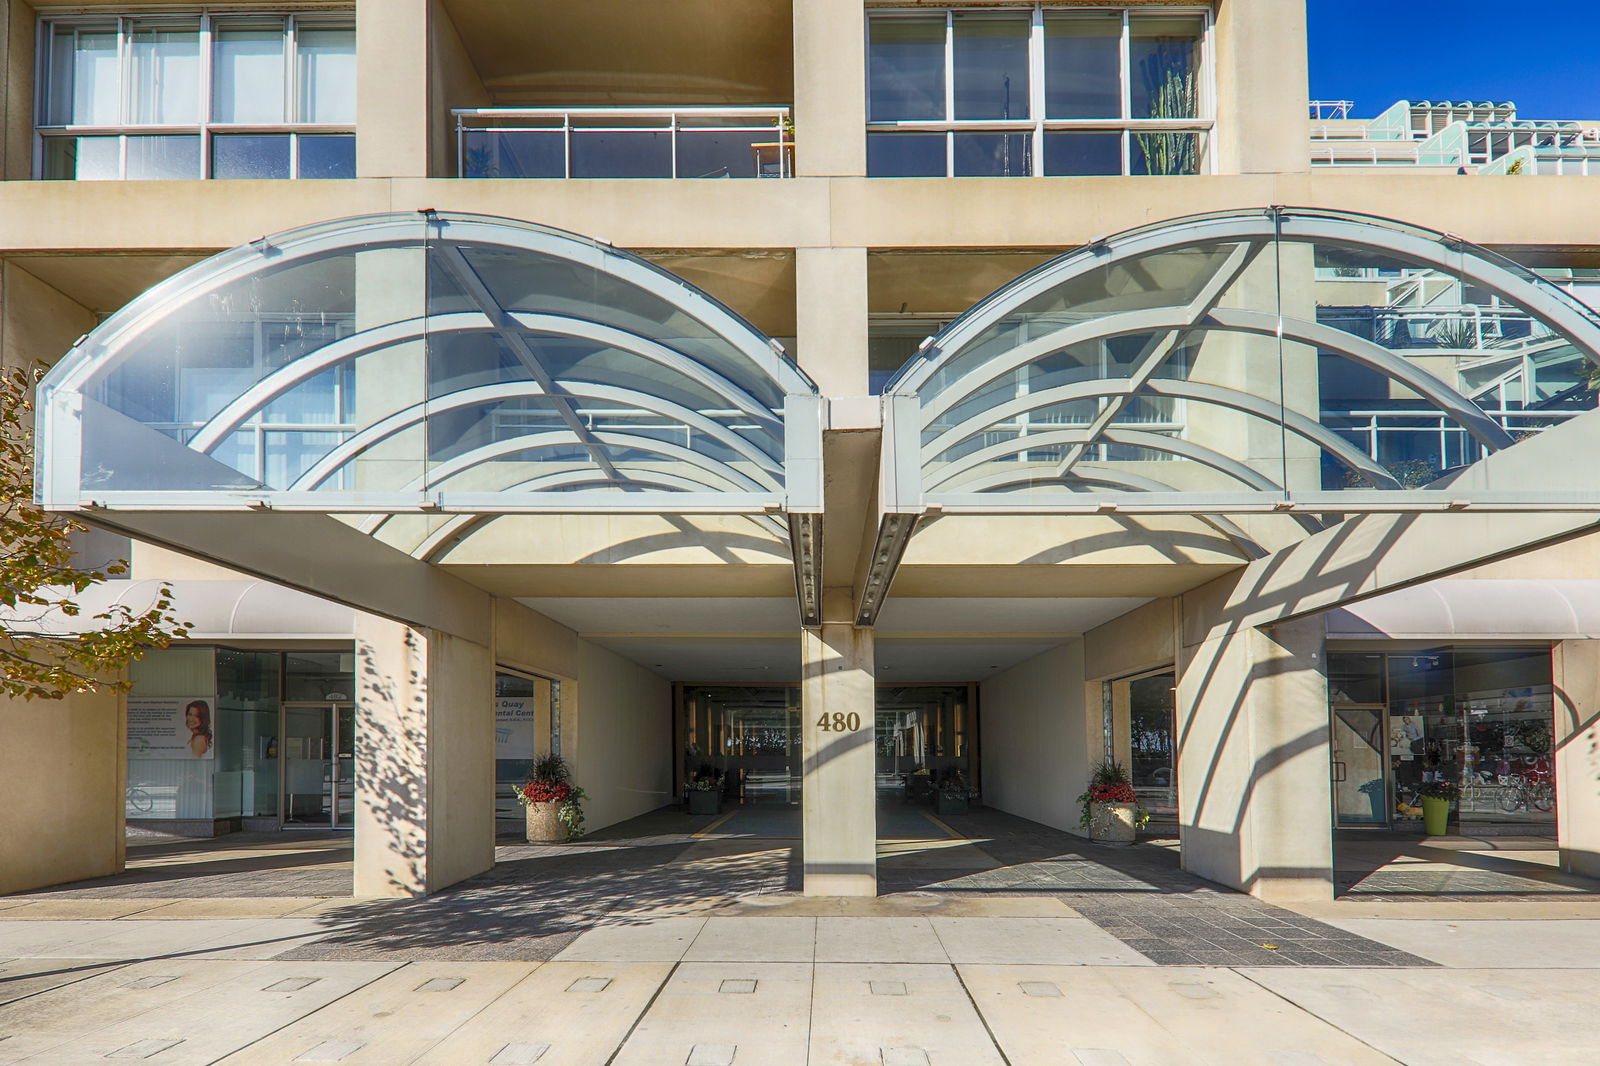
(318, 765)
(1360, 786)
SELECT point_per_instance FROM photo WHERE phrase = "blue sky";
(1542, 54)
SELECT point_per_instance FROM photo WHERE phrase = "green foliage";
(39, 582)
(1108, 773)
(1173, 94)
(1447, 790)
(571, 813)
(550, 769)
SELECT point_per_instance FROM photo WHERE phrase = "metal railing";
(1329, 110)
(633, 142)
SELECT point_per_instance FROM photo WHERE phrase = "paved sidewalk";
(660, 943)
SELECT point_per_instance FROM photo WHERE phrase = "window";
(197, 96)
(1037, 92)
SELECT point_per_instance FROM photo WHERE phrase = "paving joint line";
(651, 1002)
(1313, 1014)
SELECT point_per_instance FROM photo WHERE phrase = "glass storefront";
(1152, 751)
(225, 735)
(1481, 717)
(749, 737)
(527, 724)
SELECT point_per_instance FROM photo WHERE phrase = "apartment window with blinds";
(197, 96)
(1038, 91)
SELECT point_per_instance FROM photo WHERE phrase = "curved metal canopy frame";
(584, 358)
(985, 397)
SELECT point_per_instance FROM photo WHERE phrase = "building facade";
(834, 400)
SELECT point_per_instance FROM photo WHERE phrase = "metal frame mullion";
(207, 101)
(949, 92)
(1036, 97)
(1125, 61)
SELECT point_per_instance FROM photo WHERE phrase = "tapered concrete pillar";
(424, 789)
(1575, 673)
(1254, 799)
(831, 318)
(838, 797)
(830, 89)
(394, 111)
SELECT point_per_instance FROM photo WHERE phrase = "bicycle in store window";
(1532, 789)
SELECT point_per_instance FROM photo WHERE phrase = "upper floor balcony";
(624, 142)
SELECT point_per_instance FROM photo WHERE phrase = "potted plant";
(705, 794)
(954, 797)
(1111, 810)
(1436, 799)
(552, 802)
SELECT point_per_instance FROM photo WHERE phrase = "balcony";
(635, 142)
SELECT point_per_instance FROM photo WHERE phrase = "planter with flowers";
(552, 802)
(1111, 810)
(705, 794)
(1437, 796)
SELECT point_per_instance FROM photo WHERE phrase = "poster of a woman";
(197, 716)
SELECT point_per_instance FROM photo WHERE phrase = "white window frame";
(207, 23)
(1037, 124)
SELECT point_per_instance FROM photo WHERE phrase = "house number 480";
(839, 723)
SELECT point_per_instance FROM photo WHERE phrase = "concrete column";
(1254, 799)
(1575, 673)
(838, 794)
(830, 90)
(1262, 88)
(830, 293)
(424, 788)
(393, 98)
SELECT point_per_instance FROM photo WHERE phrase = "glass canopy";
(429, 362)
(1279, 359)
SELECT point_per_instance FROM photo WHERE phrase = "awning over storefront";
(1474, 610)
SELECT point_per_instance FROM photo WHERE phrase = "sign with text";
(171, 727)
(513, 727)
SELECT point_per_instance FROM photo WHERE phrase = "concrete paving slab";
(934, 1022)
(50, 938)
(657, 940)
(240, 1004)
(878, 940)
(1556, 944)
(581, 1028)
(233, 938)
(933, 855)
(25, 977)
(692, 1016)
(1553, 907)
(1429, 1017)
(1167, 1016)
(758, 939)
(1037, 941)
(67, 909)
(230, 907)
(905, 905)
(392, 1020)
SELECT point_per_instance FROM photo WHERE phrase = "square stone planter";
(1112, 823)
(702, 802)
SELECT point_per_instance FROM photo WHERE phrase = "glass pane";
(995, 155)
(731, 154)
(1082, 153)
(308, 765)
(514, 154)
(1361, 794)
(1166, 153)
(248, 75)
(83, 158)
(1083, 66)
(158, 158)
(248, 155)
(164, 78)
(1165, 58)
(1151, 748)
(991, 67)
(327, 75)
(906, 155)
(610, 154)
(318, 676)
(329, 156)
(905, 69)
(83, 89)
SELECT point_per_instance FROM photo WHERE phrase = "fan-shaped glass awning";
(429, 362)
(1279, 359)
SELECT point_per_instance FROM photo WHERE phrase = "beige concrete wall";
(424, 816)
(394, 96)
(1143, 639)
(1039, 737)
(455, 83)
(1576, 675)
(616, 716)
(830, 88)
(1254, 797)
(38, 322)
(62, 777)
(1262, 92)
(16, 89)
(831, 318)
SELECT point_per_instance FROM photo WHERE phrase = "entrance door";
(1360, 788)
(318, 760)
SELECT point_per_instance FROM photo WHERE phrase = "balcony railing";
(640, 142)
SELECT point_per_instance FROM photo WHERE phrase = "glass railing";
(609, 142)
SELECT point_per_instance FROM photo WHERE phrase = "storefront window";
(1151, 749)
(525, 717)
(246, 781)
(172, 735)
(1477, 716)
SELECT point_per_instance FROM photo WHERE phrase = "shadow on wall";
(391, 765)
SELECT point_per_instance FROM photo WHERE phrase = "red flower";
(545, 792)
(1112, 794)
